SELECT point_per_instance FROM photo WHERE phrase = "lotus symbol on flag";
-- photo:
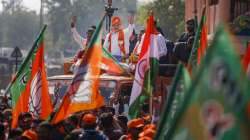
(35, 95)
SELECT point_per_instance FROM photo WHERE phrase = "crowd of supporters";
(101, 124)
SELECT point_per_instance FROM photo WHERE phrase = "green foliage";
(167, 13)
(18, 28)
(88, 13)
(142, 14)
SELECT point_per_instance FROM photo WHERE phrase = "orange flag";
(199, 45)
(29, 89)
(203, 44)
(246, 59)
(83, 93)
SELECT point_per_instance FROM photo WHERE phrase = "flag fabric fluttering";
(200, 43)
(146, 70)
(217, 103)
(83, 92)
(246, 59)
(29, 89)
(110, 64)
(203, 42)
(179, 87)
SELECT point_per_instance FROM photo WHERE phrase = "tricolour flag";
(216, 106)
(200, 43)
(29, 89)
(83, 92)
(146, 70)
(180, 86)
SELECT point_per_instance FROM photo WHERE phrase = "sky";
(35, 4)
(32, 4)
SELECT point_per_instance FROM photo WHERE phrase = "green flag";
(215, 107)
(179, 88)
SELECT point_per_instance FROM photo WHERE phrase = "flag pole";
(25, 61)
(196, 39)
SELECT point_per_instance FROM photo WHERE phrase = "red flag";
(246, 58)
(203, 44)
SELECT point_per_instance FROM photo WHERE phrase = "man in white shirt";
(117, 41)
(83, 42)
(161, 43)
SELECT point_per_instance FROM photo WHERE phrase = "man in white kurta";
(161, 43)
(117, 41)
(83, 42)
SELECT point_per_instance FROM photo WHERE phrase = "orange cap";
(149, 126)
(116, 20)
(89, 118)
(145, 138)
(30, 134)
(147, 133)
(135, 123)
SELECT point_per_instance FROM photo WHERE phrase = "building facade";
(234, 13)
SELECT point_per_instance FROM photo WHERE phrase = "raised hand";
(131, 19)
(73, 21)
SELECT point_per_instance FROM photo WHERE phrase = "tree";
(169, 15)
(88, 13)
(21, 28)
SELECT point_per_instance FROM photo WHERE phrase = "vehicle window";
(106, 89)
(124, 97)
(126, 92)
(58, 88)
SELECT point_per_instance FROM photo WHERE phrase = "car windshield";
(106, 89)
(57, 89)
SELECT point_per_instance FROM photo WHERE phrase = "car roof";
(102, 77)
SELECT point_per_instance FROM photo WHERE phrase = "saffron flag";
(217, 104)
(83, 92)
(203, 43)
(246, 59)
(200, 43)
(146, 70)
(29, 89)
(110, 64)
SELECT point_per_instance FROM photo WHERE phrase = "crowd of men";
(125, 44)
(102, 124)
